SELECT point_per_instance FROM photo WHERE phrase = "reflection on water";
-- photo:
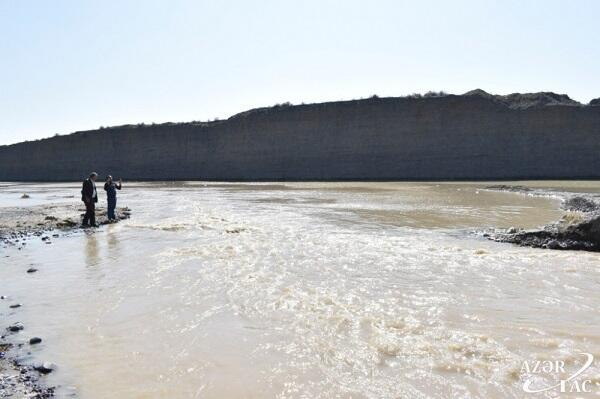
(91, 249)
(308, 290)
(112, 241)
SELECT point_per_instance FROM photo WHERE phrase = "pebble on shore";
(45, 367)
(18, 380)
(15, 327)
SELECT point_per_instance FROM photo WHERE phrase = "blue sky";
(76, 65)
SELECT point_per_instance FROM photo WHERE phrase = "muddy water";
(307, 290)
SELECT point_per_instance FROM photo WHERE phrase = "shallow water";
(304, 290)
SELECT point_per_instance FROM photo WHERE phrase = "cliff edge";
(474, 136)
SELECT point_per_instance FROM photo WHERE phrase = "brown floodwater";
(305, 290)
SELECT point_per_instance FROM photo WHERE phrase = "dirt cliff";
(472, 136)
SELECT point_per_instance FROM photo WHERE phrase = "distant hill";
(435, 136)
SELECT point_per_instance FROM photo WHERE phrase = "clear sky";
(76, 65)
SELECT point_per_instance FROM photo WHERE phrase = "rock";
(44, 238)
(24, 196)
(15, 327)
(584, 235)
(44, 368)
(16, 305)
(578, 229)
(66, 223)
(51, 218)
(35, 341)
(32, 270)
(580, 204)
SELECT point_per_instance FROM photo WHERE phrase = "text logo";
(571, 384)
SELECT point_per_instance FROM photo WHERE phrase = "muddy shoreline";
(47, 222)
(578, 229)
(19, 376)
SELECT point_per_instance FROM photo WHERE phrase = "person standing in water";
(111, 193)
(89, 196)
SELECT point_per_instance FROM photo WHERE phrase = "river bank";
(19, 376)
(578, 229)
(47, 222)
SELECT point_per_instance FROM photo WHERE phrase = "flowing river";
(304, 290)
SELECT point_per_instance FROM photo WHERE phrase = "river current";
(305, 290)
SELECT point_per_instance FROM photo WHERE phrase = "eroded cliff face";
(473, 136)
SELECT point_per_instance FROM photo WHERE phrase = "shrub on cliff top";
(435, 94)
(283, 105)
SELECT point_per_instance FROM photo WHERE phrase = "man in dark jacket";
(89, 196)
